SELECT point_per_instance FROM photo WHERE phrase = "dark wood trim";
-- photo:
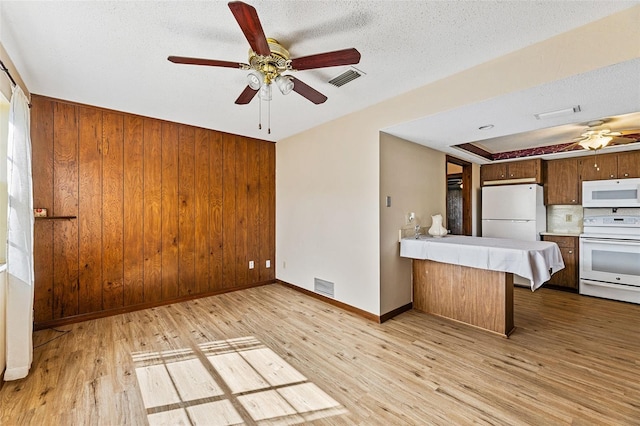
(395, 312)
(341, 305)
(124, 310)
(2, 378)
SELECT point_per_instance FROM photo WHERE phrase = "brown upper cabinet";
(531, 170)
(562, 184)
(620, 165)
(629, 164)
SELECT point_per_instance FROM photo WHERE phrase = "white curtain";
(20, 224)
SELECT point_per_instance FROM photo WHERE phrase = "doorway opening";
(459, 196)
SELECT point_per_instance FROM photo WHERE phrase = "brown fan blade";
(621, 140)
(308, 92)
(246, 96)
(207, 62)
(249, 22)
(328, 59)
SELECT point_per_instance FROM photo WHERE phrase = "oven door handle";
(610, 241)
(615, 286)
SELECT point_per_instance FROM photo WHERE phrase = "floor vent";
(345, 77)
(323, 287)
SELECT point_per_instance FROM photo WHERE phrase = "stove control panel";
(618, 221)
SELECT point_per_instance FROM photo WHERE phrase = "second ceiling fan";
(268, 60)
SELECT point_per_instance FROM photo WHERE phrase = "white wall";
(328, 178)
(326, 221)
(414, 176)
(4, 121)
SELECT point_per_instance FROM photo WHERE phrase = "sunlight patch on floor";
(228, 382)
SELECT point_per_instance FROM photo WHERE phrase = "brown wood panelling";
(202, 218)
(267, 211)
(186, 211)
(152, 276)
(160, 211)
(65, 203)
(90, 201)
(215, 210)
(112, 210)
(133, 220)
(242, 261)
(169, 211)
(42, 164)
(229, 212)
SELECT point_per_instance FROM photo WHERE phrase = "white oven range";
(610, 257)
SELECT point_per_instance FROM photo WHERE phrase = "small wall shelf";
(56, 217)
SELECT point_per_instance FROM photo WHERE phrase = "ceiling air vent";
(345, 77)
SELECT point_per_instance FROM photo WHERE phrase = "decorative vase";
(437, 230)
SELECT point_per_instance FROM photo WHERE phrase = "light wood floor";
(571, 360)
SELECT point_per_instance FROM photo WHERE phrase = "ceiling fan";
(597, 135)
(269, 60)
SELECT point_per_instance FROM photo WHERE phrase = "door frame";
(467, 171)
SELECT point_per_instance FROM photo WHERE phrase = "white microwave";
(611, 193)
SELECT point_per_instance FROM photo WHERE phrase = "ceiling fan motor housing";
(271, 66)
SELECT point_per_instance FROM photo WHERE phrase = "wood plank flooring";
(571, 360)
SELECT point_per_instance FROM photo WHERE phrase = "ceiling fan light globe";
(265, 92)
(285, 84)
(595, 143)
(255, 80)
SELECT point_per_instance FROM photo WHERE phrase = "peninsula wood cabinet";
(562, 185)
(492, 174)
(147, 211)
(569, 276)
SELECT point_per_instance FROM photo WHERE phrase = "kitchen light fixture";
(596, 137)
(557, 113)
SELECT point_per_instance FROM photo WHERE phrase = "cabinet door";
(598, 167)
(523, 169)
(567, 277)
(493, 172)
(562, 182)
(629, 164)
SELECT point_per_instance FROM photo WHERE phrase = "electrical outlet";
(268, 264)
(568, 217)
(251, 264)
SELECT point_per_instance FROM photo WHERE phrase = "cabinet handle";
(626, 175)
(610, 175)
(570, 251)
(573, 201)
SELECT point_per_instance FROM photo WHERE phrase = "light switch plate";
(251, 264)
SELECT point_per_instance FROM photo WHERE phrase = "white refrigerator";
(514, 211)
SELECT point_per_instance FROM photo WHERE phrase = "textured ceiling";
(114, 54)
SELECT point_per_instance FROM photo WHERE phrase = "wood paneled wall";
(162, 211)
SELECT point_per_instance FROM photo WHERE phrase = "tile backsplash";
(564, 219)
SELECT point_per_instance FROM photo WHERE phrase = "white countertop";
(534, 260)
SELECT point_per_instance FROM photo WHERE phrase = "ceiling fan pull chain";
(259, 113)
(269, 117)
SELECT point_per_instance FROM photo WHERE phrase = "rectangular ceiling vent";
(345, 77)
(323, 287)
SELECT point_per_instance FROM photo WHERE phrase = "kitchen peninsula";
(470, 279)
